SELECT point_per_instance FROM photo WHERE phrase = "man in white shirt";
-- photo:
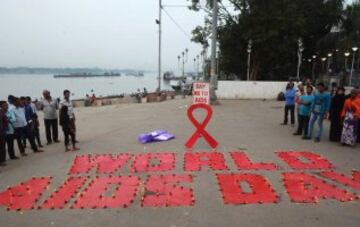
(50, 106)
(21, 129)
(67, 102)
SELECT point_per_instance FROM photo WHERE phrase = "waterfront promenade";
(249, 126)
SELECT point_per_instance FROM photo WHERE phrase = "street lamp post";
(313, 68)
(159, 22)
(323, 64)
(300, 51)
(178, 57)
(194, 64)
(329, 59)
(354, 49)
(184, 55)
(183, 63)
(198, 65)
(346, 54)
(249, 49)
(213, 73)
(202, 54)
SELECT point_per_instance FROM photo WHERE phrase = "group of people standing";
(312, 106)
(19, 122)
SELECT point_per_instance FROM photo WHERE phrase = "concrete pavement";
(250, 126)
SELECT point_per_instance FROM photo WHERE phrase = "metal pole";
(213, 76)
(313, 71)
(183, 64)
(300, 50)
(346, 60)
(352, 68)
(249, 49)
(248, 66)
(159, 66)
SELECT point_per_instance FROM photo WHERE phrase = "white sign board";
(201, 93)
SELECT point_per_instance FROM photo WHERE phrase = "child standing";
(68, 128)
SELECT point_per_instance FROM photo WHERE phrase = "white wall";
(249, 89)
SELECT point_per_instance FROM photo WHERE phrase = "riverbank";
(126, 99)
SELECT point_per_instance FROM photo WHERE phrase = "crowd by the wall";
(312, 105)
(19, 122)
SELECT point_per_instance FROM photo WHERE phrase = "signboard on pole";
(201, 93)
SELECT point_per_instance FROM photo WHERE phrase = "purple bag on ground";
(157, 135)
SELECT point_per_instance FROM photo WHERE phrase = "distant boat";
(86, 75)
(137, 74)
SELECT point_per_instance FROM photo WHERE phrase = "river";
(33, 85)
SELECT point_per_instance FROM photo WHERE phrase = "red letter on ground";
(305, 188)
(233, 193)
(154, 162)
(243, 163)
(104, 163)
(195, 160)
(25, 195)
(61, 197)
(95, 196)
(163, 191)
(353, 182)
(312, 160)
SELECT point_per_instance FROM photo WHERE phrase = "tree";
(274, 27)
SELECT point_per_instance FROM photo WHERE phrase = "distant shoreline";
(44, 70)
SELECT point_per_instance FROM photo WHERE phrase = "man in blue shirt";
(3, 129)
(290, 94)
(319, 109)
(9, 134)
(305, 103)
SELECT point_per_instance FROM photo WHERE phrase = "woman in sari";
(350, 114)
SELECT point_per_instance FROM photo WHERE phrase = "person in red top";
(351, 116)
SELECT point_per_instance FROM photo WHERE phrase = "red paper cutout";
(305, 188)
(243, 163)
(195, 160)
(353, 182)
(62, 196)
(200, 127)
(24, 195)
(315, 161)
(142, 162)
(94, 196)
(164, 191)
(106, 164)
(232, 193)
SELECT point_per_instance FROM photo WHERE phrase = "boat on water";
(184, 83)
(168, 76)
(137, 74)
(86, 75)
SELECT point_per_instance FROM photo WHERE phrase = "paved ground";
(253, 126)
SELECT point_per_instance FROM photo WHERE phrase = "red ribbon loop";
(200, 126)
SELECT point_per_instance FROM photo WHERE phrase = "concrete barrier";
(249, 89)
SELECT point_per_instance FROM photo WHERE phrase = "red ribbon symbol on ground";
(200, 127)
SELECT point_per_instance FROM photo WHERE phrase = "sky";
(94, 33)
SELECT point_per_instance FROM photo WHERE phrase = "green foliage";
(274, 27)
